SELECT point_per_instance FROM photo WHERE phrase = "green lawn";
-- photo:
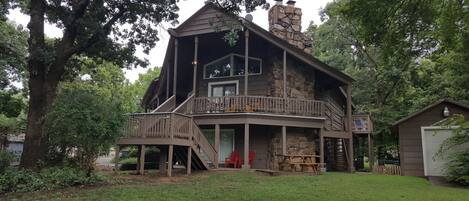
(256, 186)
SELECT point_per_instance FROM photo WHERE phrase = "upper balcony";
(258, 104)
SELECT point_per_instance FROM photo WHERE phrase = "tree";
(403, 54)
(139, 87)
(86, 118)
(13, 50)
(108, 29)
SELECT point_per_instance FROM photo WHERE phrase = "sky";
(310, 10)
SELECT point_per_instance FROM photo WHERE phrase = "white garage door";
(432, 137)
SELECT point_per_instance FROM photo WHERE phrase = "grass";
(253, 186)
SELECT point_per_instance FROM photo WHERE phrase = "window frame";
(231, 56)
(211, 84)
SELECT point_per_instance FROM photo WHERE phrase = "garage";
(432, 138)
(417, 130)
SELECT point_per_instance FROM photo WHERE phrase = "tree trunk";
(37, 90)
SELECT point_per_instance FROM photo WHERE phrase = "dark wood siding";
(205, 22)
(410, 138)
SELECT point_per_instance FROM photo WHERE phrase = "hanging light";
(446, 112)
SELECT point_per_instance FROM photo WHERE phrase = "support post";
(163, 159)
(370, 152)
(175, 66)
(141, 169)
(321, 148)
(170, 160)
(189, 160)
(246, 61)
(246, 147)
(116, 158)
(284, 74)
(217, 144)
(167, 82)
(284, 140)
(349, 128)
(194, 79)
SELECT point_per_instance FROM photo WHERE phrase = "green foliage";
(139, 87)
(457, 167)
(48, 179)
(86, 118)
(5, 159)
(130, 160)
(403, 55)
(13, 51)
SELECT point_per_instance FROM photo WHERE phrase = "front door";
(226, 144)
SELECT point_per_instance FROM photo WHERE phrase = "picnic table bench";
(300, 163)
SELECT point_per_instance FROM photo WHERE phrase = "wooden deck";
(178, 125)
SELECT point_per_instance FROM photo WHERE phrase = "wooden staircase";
(167, 125)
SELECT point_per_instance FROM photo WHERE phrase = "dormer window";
(231, 65)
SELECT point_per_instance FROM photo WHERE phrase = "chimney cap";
(291, 2)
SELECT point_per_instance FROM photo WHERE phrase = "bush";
(457, 169)
(50, 178)
(5, 160)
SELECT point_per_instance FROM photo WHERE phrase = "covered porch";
(262, 142)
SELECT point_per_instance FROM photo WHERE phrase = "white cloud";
(310, 10)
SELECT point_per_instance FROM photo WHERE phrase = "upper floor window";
(232, 65)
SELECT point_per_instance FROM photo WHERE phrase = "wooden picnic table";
(300, 162)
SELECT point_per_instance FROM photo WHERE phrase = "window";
(232, 65)
(220, 89)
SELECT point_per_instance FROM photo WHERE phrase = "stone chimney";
(285, 23)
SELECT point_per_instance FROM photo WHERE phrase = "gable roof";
(411, 116)
(281, 43)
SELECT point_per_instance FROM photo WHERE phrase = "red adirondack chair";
(252, 155)
(234, 160)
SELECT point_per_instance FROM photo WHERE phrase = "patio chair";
(252, 155)
(234, 160)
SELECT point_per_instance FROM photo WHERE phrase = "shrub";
(50, 178)
(5, 159)
(457, 169)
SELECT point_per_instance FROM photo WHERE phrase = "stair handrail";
(186, 106)
(167, 106)
(200, 141)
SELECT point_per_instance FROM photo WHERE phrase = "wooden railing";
(186, 107)
(168, 126)
(167, 106)
(361, 123)
(259, 104)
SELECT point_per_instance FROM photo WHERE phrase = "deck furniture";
(252, 155)
(300, 163)
(234, 160)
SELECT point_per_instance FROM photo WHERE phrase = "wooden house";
(265, 95)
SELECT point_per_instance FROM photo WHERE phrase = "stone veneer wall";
(300, 80)
(299, 141)
(285, 23)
